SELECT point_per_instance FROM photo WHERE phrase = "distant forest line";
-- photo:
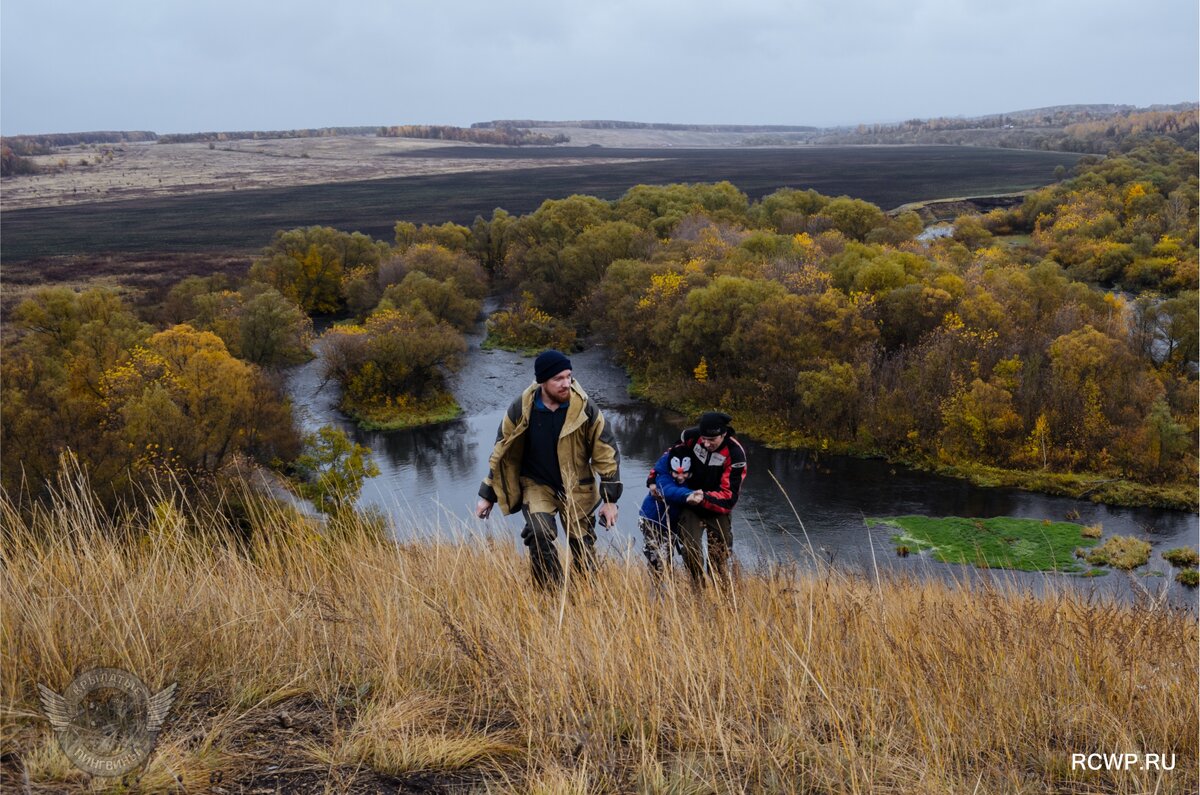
(1094, 129)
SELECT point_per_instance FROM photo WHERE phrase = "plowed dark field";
(245, 220)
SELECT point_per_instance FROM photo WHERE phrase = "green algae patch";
(1002, 542)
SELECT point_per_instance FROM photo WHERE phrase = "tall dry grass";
(337, 660)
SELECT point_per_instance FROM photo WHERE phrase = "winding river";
(429, 478)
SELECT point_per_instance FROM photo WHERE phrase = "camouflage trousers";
(575, 508)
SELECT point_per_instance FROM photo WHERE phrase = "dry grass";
(1120, 552)
(351, 664)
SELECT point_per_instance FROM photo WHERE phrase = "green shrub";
(1188, 577)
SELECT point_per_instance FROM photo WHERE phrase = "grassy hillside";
(313, 661)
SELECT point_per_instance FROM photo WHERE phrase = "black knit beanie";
(549, 364)
(714, 423)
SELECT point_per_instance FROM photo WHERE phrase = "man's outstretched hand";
(608, 515)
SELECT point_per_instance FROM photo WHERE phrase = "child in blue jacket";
(668, 493)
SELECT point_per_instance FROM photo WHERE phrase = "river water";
(429, 479)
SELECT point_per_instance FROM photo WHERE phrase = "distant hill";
(596, 124)
(1093, 129)
(1058, 127)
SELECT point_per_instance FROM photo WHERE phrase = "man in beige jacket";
(551, 445)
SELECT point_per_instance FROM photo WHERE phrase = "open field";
(309, 660)
(244, 220)
(111, 172)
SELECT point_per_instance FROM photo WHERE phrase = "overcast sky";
(203, 65)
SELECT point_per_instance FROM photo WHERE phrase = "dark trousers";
(693, 524)
(539, 507)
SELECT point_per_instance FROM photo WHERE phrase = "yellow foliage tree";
(182, 403)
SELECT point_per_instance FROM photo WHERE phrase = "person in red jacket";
(718, 471)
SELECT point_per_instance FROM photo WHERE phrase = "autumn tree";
(272, 330)
(787, 209)
(307, 265)
(854, 218)
(398, 355)
(438, 263)
(332, 469)
(444, 300)
(454, 237)
(183, 403)
(51, 378)
(538, 262)
(980, 422)
(489, 241)
(659, 208)
(256, 322)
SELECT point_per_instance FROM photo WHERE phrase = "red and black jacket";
(718, 474)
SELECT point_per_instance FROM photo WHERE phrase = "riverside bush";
(527, 328)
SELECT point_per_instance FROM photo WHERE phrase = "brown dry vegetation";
(145, 278)
(309, 661)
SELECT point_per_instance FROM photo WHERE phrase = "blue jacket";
(665, 510)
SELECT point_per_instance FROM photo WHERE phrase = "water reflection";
(439, 452)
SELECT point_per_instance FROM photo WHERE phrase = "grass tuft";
(1182, 557)
(1121, 552)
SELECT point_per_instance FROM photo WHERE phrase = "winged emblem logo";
(107, 720)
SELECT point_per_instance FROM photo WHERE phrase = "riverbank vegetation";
(526, 329)
(1052, 345)
(413, 302)
(87, 378)
(1182, 557)
(304, 656)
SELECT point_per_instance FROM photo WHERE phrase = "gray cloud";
(175, 67)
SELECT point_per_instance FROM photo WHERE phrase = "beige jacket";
(586, 448)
